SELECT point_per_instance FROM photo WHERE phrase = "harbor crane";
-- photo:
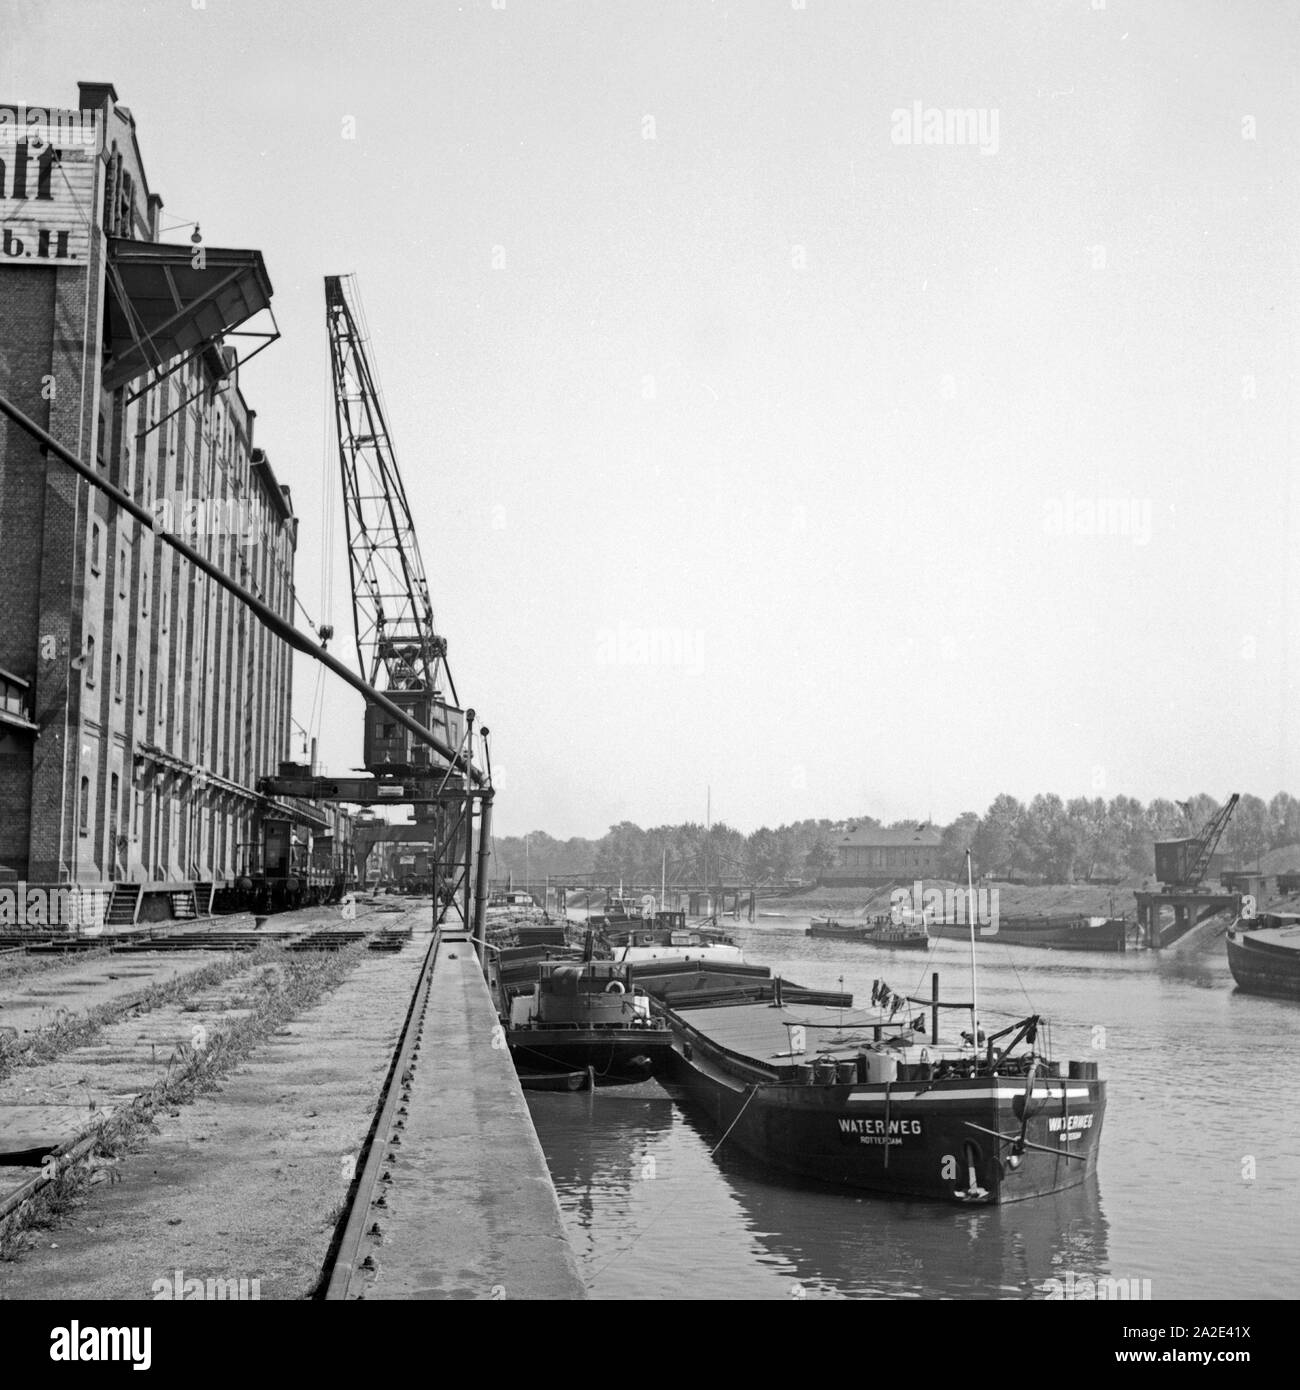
(398, 647)
(1181, 865)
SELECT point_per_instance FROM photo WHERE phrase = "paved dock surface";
(246, 1183)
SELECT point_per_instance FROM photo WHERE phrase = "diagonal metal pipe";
(270, 619)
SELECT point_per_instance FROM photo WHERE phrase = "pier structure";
(1188, 909)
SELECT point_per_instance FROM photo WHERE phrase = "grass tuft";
(289, 985)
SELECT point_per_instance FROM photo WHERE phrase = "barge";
(585, 1017)
(1055, 933)
(1264, 954)
(858, 1102)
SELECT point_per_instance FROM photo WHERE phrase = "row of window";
(97, 564)
(97, 560)
(860, 856)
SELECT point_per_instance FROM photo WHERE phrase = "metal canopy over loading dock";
(168, 302)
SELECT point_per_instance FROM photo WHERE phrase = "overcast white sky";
(812, 417)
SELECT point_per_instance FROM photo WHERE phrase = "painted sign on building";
(47, 185)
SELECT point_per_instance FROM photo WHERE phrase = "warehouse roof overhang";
(294, 809)
(171, 302)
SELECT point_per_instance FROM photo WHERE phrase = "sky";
(780, 439)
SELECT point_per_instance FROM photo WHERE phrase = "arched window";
(90, 659)
(83, 807)
(117, 677)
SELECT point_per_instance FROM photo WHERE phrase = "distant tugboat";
(898, 936)
(1264, 954)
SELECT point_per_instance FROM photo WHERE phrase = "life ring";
(615, 987)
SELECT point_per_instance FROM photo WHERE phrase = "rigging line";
(316, 710)
(753, 1091)
(72, 193)
(138, 327)
(329, 460)
(1012, 962)
(390, 447)
(332, 502)
(112, 269)
(303, 611)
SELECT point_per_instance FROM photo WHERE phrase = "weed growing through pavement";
(290, 984)
(69, 1030)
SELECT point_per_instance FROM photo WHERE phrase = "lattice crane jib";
(1201, 851)
(398, 646)
(397, 642)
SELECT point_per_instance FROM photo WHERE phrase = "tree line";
(1046, 839)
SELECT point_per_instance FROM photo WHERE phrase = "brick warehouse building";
(870, 855)
(139, 702)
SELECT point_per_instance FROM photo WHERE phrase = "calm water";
(1203, 1084)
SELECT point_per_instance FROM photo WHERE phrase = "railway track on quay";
(94, 1041)
(198, 1132)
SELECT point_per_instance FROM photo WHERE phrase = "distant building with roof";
(868, 855)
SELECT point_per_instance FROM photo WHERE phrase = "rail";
(347, 1261)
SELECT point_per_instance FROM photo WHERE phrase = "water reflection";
(1198, 1166)
(841, 1243)
(646, 1202)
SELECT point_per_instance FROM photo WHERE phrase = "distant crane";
(1183, 864)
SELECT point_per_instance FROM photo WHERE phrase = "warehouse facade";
(139, 702)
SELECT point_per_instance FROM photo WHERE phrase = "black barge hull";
(1261, 965)
(921, 1139)
(616, 1057)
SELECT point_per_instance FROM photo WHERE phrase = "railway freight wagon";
(299, 861)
